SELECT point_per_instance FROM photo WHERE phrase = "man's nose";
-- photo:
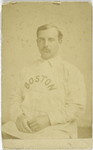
(46, 43)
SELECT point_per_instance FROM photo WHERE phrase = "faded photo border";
(42, 144)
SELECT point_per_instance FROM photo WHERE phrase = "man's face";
(48, 43)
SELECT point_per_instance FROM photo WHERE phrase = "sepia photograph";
(46, 70)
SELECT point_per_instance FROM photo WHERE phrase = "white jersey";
(50, 87)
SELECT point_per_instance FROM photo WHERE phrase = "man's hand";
(22, 125)
(39, 123)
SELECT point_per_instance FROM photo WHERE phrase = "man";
(50, 94)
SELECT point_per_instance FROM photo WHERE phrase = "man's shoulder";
(69, 65)
(70, 68)
(31, 64)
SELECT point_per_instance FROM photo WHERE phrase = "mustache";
(46, 49)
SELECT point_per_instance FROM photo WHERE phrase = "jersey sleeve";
(16, 97)
(75, 101)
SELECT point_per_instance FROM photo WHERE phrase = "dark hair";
(48, 26)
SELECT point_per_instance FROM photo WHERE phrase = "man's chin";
(46, 56)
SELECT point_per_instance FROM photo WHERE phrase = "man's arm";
(75, 101)
(16, 100)
(16, 112)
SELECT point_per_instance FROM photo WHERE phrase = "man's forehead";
(51, 32)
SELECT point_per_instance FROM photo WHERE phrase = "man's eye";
(41, 40)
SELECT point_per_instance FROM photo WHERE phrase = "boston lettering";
(40, 79)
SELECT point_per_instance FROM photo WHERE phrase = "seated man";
(50, 94)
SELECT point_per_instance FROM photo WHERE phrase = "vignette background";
(19, 24)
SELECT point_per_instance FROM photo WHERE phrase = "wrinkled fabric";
(50, 87)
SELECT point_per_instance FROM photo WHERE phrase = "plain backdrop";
(19, 24)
